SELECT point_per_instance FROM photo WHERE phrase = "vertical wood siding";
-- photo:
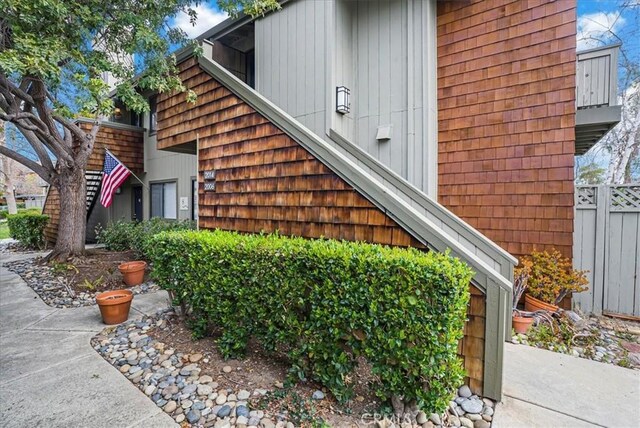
(381, 50)
(125, 144)
(506, 109)
(291, 60)
(265, 181)
(607, 245)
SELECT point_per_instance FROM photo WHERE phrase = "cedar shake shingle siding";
(506, 117)
(126, 144)
(266, 181)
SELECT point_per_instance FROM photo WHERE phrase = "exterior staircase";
(418, 214)
(94, 183)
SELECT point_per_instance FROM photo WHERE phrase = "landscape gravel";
(53, 289)
(598, 338)
(175, 383)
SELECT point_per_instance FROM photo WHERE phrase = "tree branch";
(59, 149)
(44, 112)
(45, 174)
(74, 129)
(40, 150)
(4, 81)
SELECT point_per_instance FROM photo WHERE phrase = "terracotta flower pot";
(532, 304)
(114, 305)
(133, 272)
(521, 324)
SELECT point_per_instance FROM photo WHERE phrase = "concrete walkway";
(50, 376)
(548, 389)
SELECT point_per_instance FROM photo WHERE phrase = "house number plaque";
(210, 181)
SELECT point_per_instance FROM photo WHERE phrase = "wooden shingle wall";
(506, 111)
(266, 181)
(126, 144)
(51, 208)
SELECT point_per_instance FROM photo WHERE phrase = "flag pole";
(131, 172)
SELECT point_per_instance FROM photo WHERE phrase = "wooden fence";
(606, 242)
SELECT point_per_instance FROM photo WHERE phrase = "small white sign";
(184, 203)
(209, 186)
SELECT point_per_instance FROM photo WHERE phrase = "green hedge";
(326, 303)
(5, 213)
(128, 235)
(28, 228)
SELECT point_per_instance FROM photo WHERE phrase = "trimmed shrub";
(4, 213)
(28, 228)
(326, 303)
(128, 235)
(117, 236)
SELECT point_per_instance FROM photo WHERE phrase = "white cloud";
(207, 18)
(596, 27)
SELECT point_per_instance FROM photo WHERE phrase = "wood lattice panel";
(625, 198)
(586, 197)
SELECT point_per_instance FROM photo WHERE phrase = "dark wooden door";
(137, 203)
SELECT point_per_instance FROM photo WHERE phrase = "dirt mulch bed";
(97, 270)
(262, 370)
(76, 282)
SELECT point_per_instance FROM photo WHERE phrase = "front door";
(137, 203)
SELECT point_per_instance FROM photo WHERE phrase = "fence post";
(602, 250)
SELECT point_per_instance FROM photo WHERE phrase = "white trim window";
(164, 200)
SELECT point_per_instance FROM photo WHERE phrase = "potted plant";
(133, 272)
(551, 279)
(520, 320)
(114, 305)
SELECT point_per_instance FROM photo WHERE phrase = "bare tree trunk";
(12, 207)
(72, 226)
(7, 175)
(622, 155)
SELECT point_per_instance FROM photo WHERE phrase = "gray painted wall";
(161, 165)
(384, 51)
(291, 59)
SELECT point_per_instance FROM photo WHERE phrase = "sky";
(599, 19)
(208, 16)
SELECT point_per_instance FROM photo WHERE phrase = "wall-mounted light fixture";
(117, 113)
(342, 99)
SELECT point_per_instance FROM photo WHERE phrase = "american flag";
(114, 174)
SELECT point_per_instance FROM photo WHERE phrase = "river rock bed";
(598, 338)
(10, 245)
(466, 410)
(175, 382)
(54, 289)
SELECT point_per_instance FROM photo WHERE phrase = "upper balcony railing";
(597, 81)
(597, 104)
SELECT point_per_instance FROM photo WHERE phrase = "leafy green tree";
(591, 173)
(53, 56)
